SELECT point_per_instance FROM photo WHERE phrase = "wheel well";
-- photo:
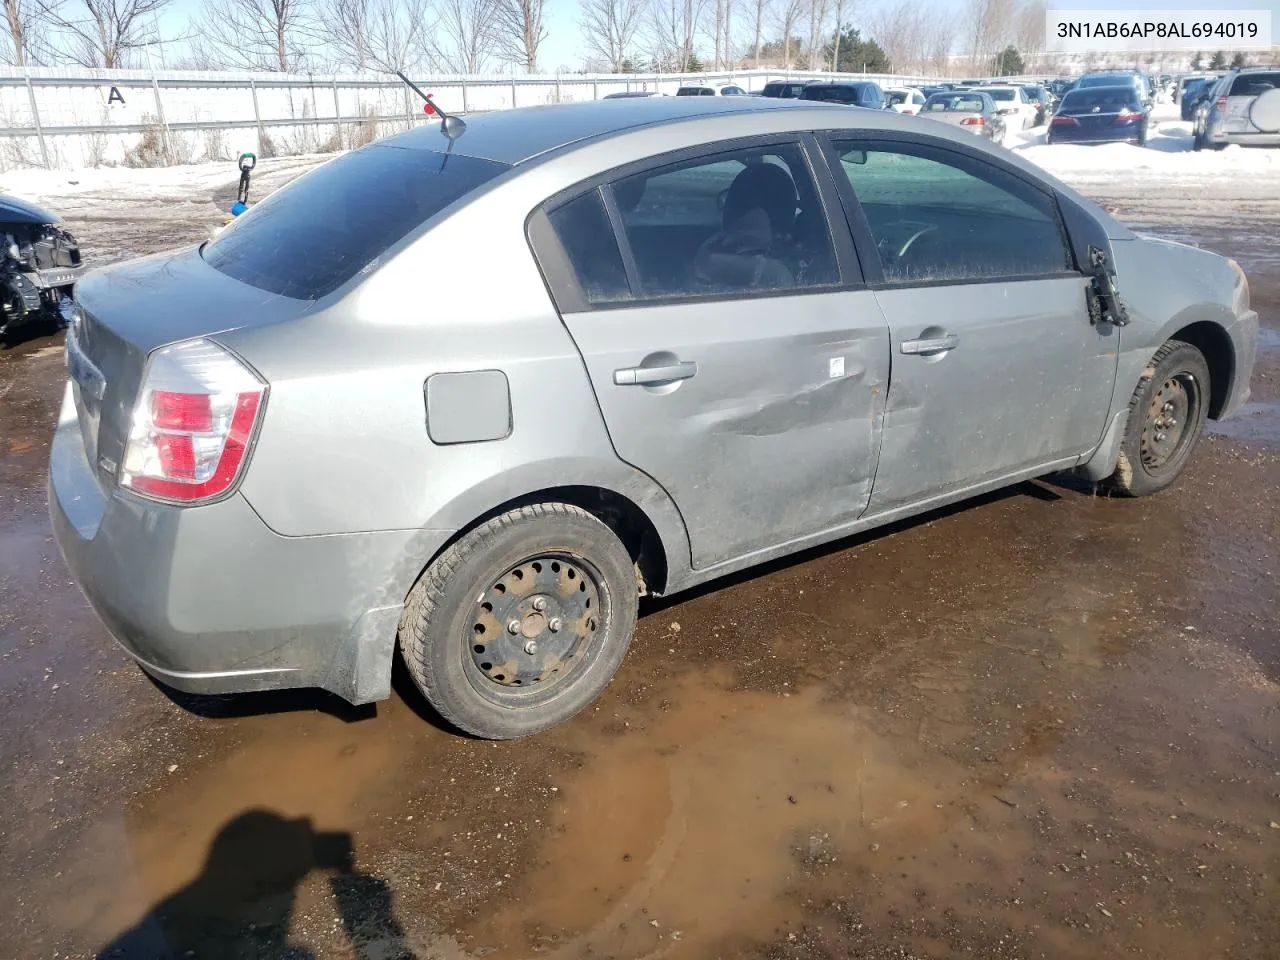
(1211, 340)
(618, 513)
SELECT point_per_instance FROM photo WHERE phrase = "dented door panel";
(1028, 382)
(775, 435)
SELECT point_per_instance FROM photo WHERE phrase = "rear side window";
(941, 216)
(1254, 84)
(309, 238)
(584, 231)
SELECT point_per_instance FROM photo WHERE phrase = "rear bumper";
(1132, 135)
(209, 600)
(1244, 139)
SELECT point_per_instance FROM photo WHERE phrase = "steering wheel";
(891, 249)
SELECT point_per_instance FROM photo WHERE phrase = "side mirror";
(854, 156)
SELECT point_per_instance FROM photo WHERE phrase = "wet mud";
(1042, 724)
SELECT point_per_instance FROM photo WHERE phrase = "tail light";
(973, 122)
(1222, 103)
(196, 417)
(1064, 122)
(1126, 115)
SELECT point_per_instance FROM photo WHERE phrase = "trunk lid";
(129, 310)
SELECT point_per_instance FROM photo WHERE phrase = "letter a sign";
(115, 96)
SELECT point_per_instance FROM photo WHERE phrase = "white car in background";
(1019, 113)
(906, 100)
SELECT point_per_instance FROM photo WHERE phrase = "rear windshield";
(1032, 93)
(309, 238)
(958, 102)
(1000, 93)
(1254, 84)
(1104, 81)
(1105, 99)
(841, 94)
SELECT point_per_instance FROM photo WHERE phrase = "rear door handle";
(652, 375)
(931, 345)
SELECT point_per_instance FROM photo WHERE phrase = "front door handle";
(647, 376)
(931, 345)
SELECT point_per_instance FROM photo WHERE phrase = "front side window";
(734, 223)
(312, 236)
(941, 216)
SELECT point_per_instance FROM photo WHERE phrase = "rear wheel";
(1166, 418)
(522, 622)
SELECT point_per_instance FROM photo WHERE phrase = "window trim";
(860, 226)
(561, 278)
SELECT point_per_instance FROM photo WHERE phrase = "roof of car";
(515, 136)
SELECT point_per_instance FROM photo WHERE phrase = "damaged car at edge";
(473, 395)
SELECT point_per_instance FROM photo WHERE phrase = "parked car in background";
(724, 333)
(855, 93)
(970, 110)
(724, 90)
(784, 89)
(1100, 115)
(1243, 107)
(1189, 92)
(930, 90)
(907, 100)
(1117, 78)
(1060, 86)
(1043, 101)
(1018, 111)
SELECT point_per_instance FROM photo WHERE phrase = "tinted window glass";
(936, 215)
(1000, 93)
(738, 222)
(583, 228)
(831, 94)
(1254, 84)
(1105, 80)
(309, 238)
(896, 97)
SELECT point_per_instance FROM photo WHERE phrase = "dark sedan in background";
(856, 93)
(1100, 115)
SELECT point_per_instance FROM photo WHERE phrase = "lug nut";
(531, 648)
(513, 626)
(555, 624)
(539, 603)
(1159, 437)
(1168, 408)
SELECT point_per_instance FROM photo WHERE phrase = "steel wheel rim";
(1167, 430)
(534, 629)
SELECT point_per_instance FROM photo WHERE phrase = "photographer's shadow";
(242, 902)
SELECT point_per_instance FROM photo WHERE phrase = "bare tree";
(609, 28)
(730, 58)
(522, 27)
(383, 35)
(835, 44)
(466, 36)
(273, 35)
(902, 30)
(1029, 31)
(102, 33)
(817, 27)
(761, 11)
(939, 39)
(673, 26)
(787, 14)
(26, 20)
(990, 25)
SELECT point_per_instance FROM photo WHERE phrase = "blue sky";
(563, 46)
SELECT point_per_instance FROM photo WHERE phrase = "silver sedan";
(473, 396)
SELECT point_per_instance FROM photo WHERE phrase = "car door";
(997, 369)
(745, 372)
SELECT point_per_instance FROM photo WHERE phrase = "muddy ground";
(1040, 725)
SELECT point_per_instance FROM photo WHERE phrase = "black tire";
(1197, 141)
(548, 552)
(1166, 419)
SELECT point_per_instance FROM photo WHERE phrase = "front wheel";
(522, 622)
(1166, 418)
